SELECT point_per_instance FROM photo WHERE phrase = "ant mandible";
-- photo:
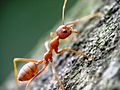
(30, 70)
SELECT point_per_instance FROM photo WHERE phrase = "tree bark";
(100, 37)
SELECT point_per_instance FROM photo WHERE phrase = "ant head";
(63, 31)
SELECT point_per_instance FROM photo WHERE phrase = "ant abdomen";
(27, 71)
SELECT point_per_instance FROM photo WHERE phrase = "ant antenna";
(63, 11)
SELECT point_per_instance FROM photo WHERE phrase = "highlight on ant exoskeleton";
(30, 70)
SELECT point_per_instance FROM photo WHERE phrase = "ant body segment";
(30, 70)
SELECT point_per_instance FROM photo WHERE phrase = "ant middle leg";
(79, 53)
(71, 50)
(59, 52)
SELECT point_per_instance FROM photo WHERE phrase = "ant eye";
(64, 31)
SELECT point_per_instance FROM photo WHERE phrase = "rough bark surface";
(99, 37)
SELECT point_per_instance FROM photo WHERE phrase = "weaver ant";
(30, 70)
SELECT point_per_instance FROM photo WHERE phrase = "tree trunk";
(100, 37)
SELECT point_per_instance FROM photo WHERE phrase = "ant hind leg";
(56, 76)
(15, 67)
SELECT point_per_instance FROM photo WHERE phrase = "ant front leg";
(52, 35)
(85, 18)
(15, 66)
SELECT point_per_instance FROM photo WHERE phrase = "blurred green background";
(22, 24)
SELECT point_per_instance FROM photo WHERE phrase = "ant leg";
(15, 66)
(71, 50)
(79, 53)
(52, 35)
(59, 52)
(47, 45)
(46, 64)
(85, 18)
(56, 76)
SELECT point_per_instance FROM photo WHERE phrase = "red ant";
(30, 70)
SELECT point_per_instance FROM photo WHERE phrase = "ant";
(30, 70)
